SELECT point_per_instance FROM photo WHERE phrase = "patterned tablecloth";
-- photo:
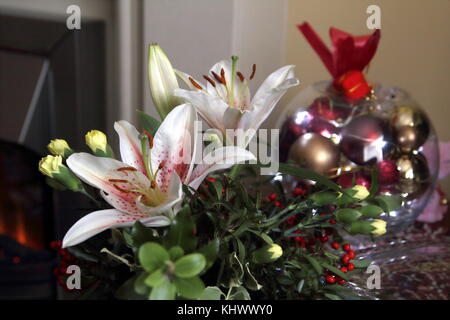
(414, 264)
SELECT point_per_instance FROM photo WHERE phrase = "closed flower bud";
(268, 253)
(163, 81)
(361, 192)
(375, 227)
(59, 147)
(50, 165)
(96, 140)
(380, 227)
(347, 215)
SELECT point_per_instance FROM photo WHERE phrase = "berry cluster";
(65, 260)
(347, 265)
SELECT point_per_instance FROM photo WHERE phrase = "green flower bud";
(268, 253)
(163, 81)
(375, 227)
(347, 215)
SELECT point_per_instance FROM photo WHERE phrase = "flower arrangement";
(191, 224)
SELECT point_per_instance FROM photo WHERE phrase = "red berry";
(332, 221)
(342, 281)
(346, 247)
(16, 259)
(272, 196)
(350, 266)
(351, 254)
(335, 245)
(278, 204)
(211, 179)
(324, 239)
(343, 269)
(299, 239)
(299, 192)
(345, 259)
(330, 279)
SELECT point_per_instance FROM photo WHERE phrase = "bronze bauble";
(315, 152)
(411, 127)
(414, 175)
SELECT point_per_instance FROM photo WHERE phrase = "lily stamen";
(216, 76)
(127, 169)
(195, 84)
(253, 71)
(241, 76)
(118, 181)
(209, 80)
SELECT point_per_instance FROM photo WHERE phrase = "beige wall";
(414, 51)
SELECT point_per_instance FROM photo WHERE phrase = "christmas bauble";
(315, 152)
(325, 108)
(366, 139)
(414, 175)
(292, 128)
(411, 127)
(387, 172)
(348, 180)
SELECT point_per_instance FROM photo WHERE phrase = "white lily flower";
(147, 184)
(224, 100)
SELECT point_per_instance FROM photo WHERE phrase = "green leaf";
(308, 175)
(388, 203)
(217, 187)
(361, 263)
(371, 211)
(141, 234)
(126, 291)
(335, 270)
(263, 236)
(80, 253)
(211, 293)
(373, 182)
(148, 122)
(239, 293)
(190, 288)
(210, 252)
(190, 265)
(156, 278)
(182, 231)
(332, 296)
(152, 256)
(314, 263)
(165, 291)
(176, 253)
(139, 284)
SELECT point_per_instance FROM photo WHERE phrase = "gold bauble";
(411, 127)
(315, 152)
(414, 175)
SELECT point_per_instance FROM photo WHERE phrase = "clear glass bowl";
(388, 131)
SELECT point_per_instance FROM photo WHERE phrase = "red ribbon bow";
(348, 53)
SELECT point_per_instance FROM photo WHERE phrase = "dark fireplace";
(52, 85)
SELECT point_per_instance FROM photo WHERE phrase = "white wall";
(198, 33)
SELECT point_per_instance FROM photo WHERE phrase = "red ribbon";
(348, 53)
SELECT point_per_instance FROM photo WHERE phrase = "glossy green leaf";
(176, 253)
(165, 291)
(156, 278)
(190, 265)
(211, 293)
(152, 256)
(190, 288)
(182, 231)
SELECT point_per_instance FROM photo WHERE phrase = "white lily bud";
(163, 81)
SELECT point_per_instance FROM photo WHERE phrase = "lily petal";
(210, 107)
(98, 172)
(267, 96)
(130, 145)
(94, 223)
(219, 159)
(174, 145)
